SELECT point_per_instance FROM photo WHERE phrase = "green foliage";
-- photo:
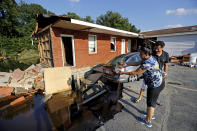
(19, 53)
(11, 64)
(8, 18)
(18, 20)
(27, 17)
(115, 20)
(17, 23)
(73, 15)
(29, 57)
(88, 19)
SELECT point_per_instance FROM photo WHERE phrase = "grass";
(25, 59)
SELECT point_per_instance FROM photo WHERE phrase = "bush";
(29, 57)
(19, 53)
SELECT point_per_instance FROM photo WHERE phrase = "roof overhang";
(74, 24)
(44, 22)
(168, 35)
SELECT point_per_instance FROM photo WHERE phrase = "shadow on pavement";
(132, 91)
(132, 97)
(129, 104)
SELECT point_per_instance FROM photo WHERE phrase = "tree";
(18, 20)
(73, 15)
(17, 23)
(88, 19)
(27, 17)
(115, 20)
(8, 18)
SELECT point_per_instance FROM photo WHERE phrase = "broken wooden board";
(57, 79)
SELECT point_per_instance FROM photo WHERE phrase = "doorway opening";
(67, 48)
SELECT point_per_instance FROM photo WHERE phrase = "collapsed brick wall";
(80, 72)
(82, 56)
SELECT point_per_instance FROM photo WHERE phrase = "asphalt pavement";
(179, 110)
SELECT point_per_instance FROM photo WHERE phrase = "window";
(115, 60)
(135, 45)
(129, 46)
(92, 44)
(134, 59)
(113, 44)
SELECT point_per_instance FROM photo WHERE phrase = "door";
(129, 46)
(67, 49)
(123, 46)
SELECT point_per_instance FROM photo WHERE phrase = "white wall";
(177, 45)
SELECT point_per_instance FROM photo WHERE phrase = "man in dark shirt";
(161, 56)
(163, 59)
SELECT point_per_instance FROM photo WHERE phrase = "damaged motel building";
(63, 41)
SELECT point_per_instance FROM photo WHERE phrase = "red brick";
(6, 91)
(82, 56)
(18, 101)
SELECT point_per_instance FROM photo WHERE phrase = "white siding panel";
(177, 45)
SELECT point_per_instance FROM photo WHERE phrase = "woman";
(152, 78)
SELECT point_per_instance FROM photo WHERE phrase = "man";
(163, 58)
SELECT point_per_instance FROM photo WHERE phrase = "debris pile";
(20, 83)
(189, 60)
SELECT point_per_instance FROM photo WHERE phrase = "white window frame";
(123, 45)
(73, 48)
(114, 44)
(95, 44)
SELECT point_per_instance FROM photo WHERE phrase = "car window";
(135, 58)
(126, 57)
(115, 60)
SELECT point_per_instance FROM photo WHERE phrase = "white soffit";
(100, 27)
(86, 26)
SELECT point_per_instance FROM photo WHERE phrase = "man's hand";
(126, 73)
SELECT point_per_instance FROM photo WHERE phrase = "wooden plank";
(57, 79)
(45, 49)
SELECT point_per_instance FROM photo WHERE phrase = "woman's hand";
(126, 73)
(121, 72)
(122, 63)
(165, 75)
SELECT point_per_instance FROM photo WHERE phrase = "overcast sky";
(144, 14)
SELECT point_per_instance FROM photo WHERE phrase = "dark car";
(111, 69)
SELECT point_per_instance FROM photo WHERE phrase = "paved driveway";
(179, 111)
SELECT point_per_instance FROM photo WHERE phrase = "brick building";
(63, 41)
